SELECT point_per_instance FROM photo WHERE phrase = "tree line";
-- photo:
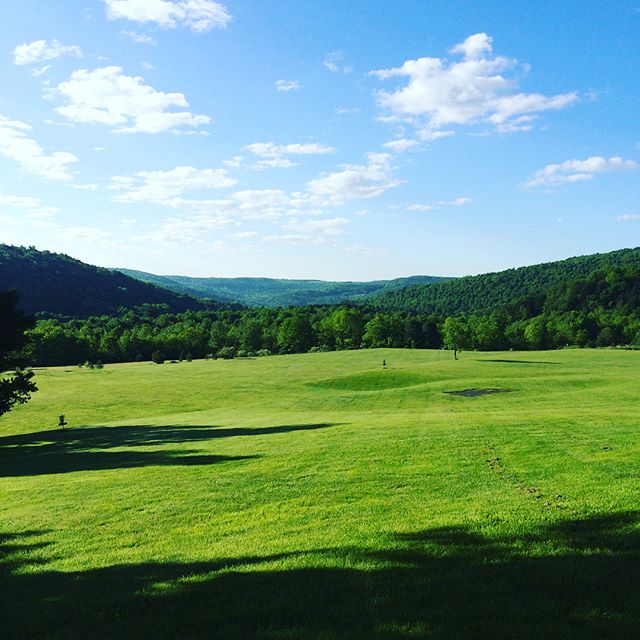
(600, 310)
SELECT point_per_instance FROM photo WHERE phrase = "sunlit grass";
(322, 496)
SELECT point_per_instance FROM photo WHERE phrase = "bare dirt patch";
(474, 393)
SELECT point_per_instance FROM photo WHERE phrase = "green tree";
(16, 384)
(295, 334)
(455, 334)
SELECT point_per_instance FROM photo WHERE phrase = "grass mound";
(373, 381)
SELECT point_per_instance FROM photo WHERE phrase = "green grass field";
(319, 496)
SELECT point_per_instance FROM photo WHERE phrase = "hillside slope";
(491, 291)
(270, 292)
(56, 284)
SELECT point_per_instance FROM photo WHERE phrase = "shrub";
(227, 353)
(157, 357)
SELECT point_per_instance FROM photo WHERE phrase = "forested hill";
(493, 291)
(270, 292)
(56, 284)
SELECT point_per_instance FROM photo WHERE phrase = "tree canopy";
(16, 384)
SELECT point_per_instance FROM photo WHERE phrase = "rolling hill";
(56, 284)
(492, 291)
(270, 292)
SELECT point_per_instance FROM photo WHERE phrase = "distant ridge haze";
(274, 292)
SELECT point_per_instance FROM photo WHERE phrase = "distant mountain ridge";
(490, 292)
(56, 284)
(271, 292)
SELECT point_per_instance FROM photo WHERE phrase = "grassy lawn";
(321, 496)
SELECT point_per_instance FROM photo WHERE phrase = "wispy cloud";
(161, 186)
(578, 170)
(288, 85)
(197, 15)
(441, 204)
(32, 207)
(16, 144)
(356, 181)
(41, 50)
(274, 155)
(271, 150)
(335, 62)
(138, 38)
(400, 145)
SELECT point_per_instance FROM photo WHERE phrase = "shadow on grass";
(575, 579)
(87, 448)
(515, 361)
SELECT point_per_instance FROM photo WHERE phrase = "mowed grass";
(321, 496)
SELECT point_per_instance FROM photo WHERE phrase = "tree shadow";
(448, 583)
(516, 361)
(87, 448)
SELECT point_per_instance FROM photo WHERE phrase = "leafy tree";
(455, 334)
(295, 334)
(16, 384)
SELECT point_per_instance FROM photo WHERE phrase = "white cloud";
(356, 181)
(420, 207)
(480, 89)
(271, 150)
(279, 163)
(19, 202)
(107, 96)
(347, 110)
(138, 38)
(400, 145)
(197, 15)
(628, 218)
(17, 145)
(234, 163)
(578, 170)
(40, 50)
(310, 231)
(39, 71)
(334, 61)
(188, 230)
(474, 47)
(288, 85)
(32, 207)
(161, 186)
(456, 202)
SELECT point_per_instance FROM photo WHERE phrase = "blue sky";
(327, 139)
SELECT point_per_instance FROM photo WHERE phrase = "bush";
(263, 352)
(157, 357)
(227, 353)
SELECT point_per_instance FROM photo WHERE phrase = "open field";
(319, 496)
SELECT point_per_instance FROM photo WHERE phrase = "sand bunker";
(474, 393)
